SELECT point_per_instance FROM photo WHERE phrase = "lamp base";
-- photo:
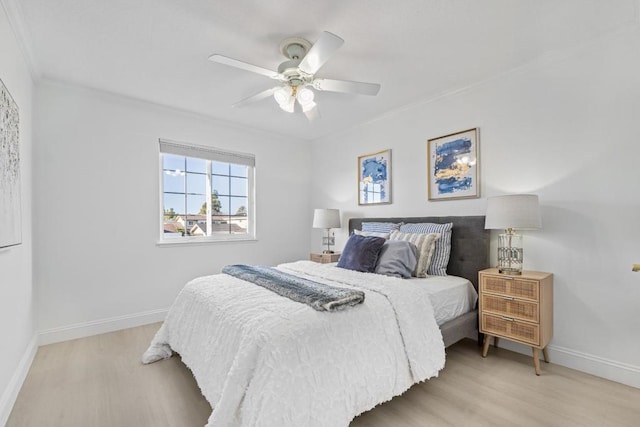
(510, 254)
(326, 251)
(509, 271)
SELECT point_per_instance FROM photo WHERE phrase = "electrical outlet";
(636, 267)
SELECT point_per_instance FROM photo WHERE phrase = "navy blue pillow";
(361, 253)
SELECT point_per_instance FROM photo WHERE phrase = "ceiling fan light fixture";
(282, 95)
(305, 96)
(289, 105)
(285, 97)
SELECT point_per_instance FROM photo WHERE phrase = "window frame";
(250, 235)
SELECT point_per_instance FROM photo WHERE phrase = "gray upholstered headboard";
(469, 242)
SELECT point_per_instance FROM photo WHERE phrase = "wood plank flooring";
(99, 381)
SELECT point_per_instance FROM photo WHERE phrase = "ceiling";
(157, 50)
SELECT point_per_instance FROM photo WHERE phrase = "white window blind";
(208, 153)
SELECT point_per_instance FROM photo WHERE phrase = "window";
(207, 194)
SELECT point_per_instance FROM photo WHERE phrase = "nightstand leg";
(536, 360)
(485, 348)
(545, 354)
(496, 340)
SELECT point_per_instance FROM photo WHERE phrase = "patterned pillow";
(371, 234)
(381, 227)
(442, 251)
(425, 244)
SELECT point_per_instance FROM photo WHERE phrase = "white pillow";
(425, 244)
(371, 234)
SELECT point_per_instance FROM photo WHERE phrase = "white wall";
(566, 128)
(96, 180)
(17, 306)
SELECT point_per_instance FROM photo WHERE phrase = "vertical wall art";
(10, 213)
(452, 164)
(374, 178)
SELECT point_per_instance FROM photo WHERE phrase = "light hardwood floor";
(99, 381)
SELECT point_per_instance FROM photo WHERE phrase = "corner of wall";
(15, 17)
(10, 393)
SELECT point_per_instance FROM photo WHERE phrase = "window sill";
(203, 241)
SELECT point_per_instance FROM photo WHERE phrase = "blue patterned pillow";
(361, 253)
(381, 227)
(371, 234)
(440, 260)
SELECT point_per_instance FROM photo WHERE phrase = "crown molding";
(14, 14)
(629, 28)
(145, 103)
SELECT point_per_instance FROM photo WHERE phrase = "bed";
(264, 360)
(469, 254)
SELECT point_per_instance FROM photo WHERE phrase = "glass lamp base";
(510, 271)
(510, 254)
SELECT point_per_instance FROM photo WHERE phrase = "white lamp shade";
(326, 218)
(517, 211)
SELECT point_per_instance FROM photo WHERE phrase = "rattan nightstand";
(323, 258)
(517, 308)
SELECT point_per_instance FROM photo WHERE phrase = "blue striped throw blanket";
(318, 296)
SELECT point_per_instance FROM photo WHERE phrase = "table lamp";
(510, 213)
(327, 219)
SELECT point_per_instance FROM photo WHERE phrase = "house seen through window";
(207, 194)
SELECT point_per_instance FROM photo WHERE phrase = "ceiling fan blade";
(313, 113)
(320, 52)
(221, 59)
(345, 86)
(257, 97)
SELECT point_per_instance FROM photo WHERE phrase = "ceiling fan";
(297, 75)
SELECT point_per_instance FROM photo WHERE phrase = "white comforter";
(263, 360)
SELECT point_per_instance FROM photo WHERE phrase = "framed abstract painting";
(374, 178)
(452, 164)
(10, 212)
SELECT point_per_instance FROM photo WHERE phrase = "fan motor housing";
(292, 74)
(294, 48)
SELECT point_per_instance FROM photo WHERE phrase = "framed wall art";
(452, 166)
(10, 212)
(374, 178)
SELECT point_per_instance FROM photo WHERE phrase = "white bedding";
(264, 360)
(451, 296)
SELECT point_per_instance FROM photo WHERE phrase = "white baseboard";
(10, 394)
(600, 367)
(101, 326)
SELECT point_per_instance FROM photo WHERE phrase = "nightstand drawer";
(511, 286)
(507, 306)
(510, 328)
